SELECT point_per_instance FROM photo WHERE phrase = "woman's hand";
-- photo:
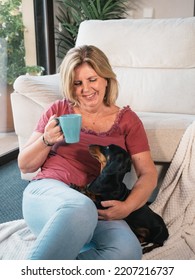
(52, 133)
(116, 210)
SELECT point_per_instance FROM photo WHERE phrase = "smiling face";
(89, 87)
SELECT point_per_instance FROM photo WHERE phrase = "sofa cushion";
(164, 132)
(157, 90)
(143, 42)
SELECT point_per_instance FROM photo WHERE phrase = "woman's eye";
(93, 80)
(77, 83)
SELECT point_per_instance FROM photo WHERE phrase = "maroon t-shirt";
(72, 163)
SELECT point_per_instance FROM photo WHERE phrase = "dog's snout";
(96, 153)
(94, 149)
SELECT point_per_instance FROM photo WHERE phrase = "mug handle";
(57, 121)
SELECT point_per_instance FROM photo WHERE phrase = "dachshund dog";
(115, 162)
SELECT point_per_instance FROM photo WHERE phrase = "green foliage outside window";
(12, 35)
(71, 13)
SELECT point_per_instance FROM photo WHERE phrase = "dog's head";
(113, 158)
(115, 163)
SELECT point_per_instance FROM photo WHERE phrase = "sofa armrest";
(43, 90)
(31, 96)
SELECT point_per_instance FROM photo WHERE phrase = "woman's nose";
(85, 87)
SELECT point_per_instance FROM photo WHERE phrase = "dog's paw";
(146, 248)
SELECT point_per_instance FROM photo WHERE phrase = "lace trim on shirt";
(113, 128)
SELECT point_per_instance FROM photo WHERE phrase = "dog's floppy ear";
(114, 166)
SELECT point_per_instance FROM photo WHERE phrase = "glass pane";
(12, 57)
(3, 83)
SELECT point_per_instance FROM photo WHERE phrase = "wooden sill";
(9, 156)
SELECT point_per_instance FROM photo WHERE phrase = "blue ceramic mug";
(71, 127)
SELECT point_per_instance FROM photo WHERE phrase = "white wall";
(29, 32)
(162, 8)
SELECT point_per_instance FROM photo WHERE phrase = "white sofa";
(154, 60)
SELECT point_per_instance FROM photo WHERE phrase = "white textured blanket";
(175, 202)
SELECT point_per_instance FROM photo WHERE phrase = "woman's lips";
(89, 96)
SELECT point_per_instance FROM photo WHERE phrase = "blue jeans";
(66, 225)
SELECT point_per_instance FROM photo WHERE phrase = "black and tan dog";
(115, 162)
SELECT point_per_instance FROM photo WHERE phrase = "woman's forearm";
(141, 191)
(34, 154)
(36, 150)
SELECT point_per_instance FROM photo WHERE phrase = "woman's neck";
(92, 110)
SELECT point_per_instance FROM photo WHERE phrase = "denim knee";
(129, 247)
(86, 210)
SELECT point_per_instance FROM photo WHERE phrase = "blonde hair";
(98, 61)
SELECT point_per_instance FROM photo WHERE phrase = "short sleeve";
(58, 108)
(135, 136)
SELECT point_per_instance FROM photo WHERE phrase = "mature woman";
(66, 222)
